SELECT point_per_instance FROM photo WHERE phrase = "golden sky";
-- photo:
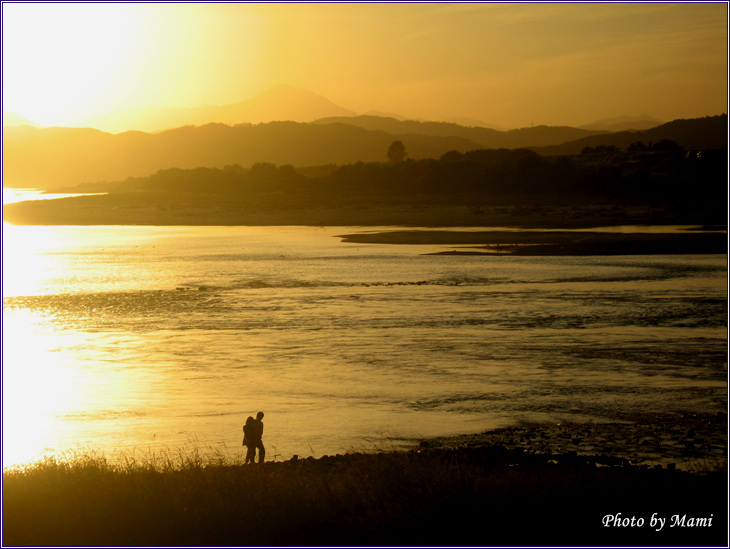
(506, 64)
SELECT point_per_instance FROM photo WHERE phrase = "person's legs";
(262, 451)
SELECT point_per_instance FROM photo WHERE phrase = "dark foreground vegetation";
(648, 183)
(481, 496)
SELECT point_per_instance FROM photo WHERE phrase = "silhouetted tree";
(452, 156)
(396, 152)
(266, 169)
(601, 149)
(637, 146)
(668, 145)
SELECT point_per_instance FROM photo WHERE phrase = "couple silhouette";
(253, 430)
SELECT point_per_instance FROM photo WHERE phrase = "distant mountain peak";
(285, 102)
(280, 102)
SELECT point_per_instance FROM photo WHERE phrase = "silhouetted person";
(258, 433)
(248, 438)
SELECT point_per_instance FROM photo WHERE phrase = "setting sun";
(68, 63)
(63, 62)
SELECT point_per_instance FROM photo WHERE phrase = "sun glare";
(25, 265)
(62, 61)
(36, 387)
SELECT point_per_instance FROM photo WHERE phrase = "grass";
(480, 496)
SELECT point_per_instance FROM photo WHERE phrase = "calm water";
(131, 339)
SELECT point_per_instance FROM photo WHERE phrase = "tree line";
(644, 172)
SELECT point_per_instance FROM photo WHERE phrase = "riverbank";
(177, 209)
(463, 492)
(555, 229)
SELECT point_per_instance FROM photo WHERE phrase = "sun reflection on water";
(37, 385)
(34, 382)
(27, 263)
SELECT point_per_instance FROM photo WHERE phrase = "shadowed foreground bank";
(484, 496)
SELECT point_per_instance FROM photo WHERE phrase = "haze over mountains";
(317, 132)
(623, 123)
(51, 158)
(280, 103)
(335, 170)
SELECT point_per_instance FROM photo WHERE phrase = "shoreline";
(481, 494)
(547, 230)
(552, 242)
(684, 441)
(201, 210)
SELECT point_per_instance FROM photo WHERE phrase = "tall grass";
(483, 496)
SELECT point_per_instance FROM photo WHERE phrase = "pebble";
(658, 439)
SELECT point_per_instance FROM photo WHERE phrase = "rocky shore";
(689, 442)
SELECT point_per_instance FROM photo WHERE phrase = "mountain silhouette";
(280, 103)
(51, 158)
(14, 119)
(691, 134)
(623, 123)
(535, 136)
(461, 121)
(58, 157)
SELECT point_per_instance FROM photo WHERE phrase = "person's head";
(260, 415)
(249, 420)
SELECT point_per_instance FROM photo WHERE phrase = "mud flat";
(551, 242)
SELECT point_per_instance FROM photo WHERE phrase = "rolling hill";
(52, 158)
(623, 123)
(693, 134)
(488, 138)
(49, 158)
